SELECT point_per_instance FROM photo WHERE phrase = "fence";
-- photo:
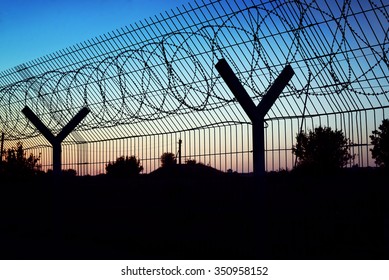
(153, 83)
(223, 146)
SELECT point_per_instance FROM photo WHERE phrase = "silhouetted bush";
(18, 164)
(322, 150)
(124, 166)
(380, 142)
(168, 159)
(191, 161)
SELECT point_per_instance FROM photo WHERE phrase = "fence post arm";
(71, 125)
(38, 124)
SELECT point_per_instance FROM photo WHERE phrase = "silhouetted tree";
(380, 142)
(322, 149)
(18, 164)
(168, 159)
(124, 166)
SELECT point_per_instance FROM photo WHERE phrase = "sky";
(30, 29)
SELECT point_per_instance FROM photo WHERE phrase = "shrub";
(17, 163)
(191, 162)
(124, 166)
(322, 149)
(380, 142)
(168, 159)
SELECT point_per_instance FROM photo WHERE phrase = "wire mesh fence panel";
(153, 83)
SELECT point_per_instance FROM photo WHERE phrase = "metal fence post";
(55, 141)
(255, 113)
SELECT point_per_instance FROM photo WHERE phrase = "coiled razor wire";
(163, 67)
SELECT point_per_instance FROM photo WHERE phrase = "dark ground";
(196, 214)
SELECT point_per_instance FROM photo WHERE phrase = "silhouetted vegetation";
(191, 161)
(124, 166)
(322, 150)
(193, 211)
(380, 142)
(64, 172)
(203, 214)
(17, 163)
(168, 159)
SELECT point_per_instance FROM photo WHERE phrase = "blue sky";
(34, 28)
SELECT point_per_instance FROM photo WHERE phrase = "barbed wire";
(166, 67)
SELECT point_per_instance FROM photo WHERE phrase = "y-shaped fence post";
(257, 116)
(55, 141)
(255, 113)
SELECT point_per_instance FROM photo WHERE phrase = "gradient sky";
(30, 29)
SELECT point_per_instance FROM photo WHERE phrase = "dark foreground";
(196, 216)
